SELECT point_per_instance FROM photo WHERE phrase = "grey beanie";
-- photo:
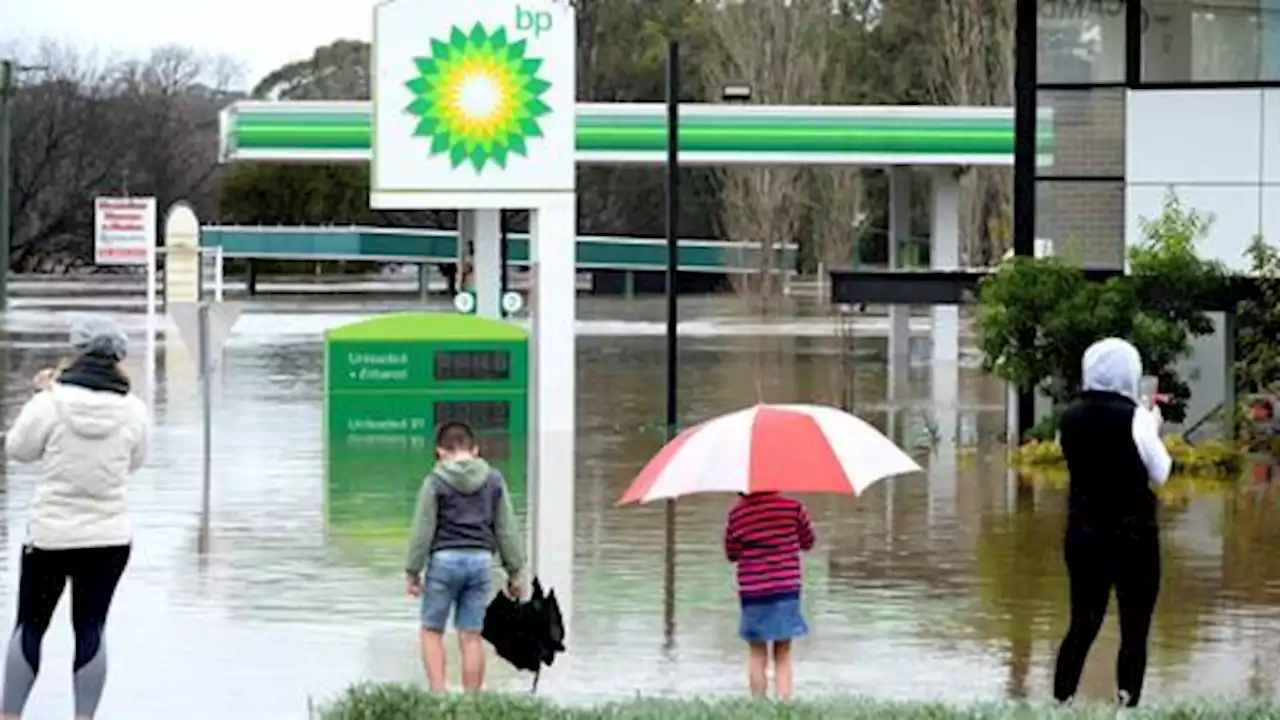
(98, 335)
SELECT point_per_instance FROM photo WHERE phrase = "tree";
(781, 48)
(612, 200)
(1258, 325)
(970, 62)
(82, 128)
(1157, 308)
(337, 71)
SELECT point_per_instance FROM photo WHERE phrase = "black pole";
(1024, 166)
(673, 293)
(503, 254)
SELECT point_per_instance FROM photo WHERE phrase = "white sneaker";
(1122, 703)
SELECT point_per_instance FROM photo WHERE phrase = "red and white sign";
(124, 230)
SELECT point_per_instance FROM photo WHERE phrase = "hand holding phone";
(1148, 391)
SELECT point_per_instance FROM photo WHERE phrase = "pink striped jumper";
(764, 535)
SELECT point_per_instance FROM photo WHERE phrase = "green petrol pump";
(390, 381)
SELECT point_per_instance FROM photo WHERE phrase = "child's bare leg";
(472, 648)
(757, 664)
(782, 668)
(433, 659)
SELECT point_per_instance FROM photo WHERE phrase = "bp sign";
(473, 103)
(389, 382)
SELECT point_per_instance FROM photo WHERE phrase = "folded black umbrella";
(528, 634)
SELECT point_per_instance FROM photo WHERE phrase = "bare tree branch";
(781, 48)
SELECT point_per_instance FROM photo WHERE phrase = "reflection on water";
(944, 584)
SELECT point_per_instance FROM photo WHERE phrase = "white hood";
(90, 413)
(1113, 365)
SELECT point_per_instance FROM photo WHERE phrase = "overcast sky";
(262, 34)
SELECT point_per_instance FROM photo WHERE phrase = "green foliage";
(271, 194)
(1037, 316)
(401, 702)
(1210, 459)
(1258, 325)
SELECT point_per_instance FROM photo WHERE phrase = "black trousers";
(94, 574)
(1128, 560)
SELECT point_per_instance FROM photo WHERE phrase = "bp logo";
(478, 97)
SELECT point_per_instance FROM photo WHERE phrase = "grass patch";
(1207, 459)
(409, 702)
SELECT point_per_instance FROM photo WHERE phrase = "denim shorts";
(772, 620)
(456, 579)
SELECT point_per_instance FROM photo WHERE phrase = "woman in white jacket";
(88, 434)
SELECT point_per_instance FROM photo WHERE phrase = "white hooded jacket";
(1114, 365)
(88, 443)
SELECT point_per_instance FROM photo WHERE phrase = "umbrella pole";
(673, 288)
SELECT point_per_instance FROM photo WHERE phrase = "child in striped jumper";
(764, 536)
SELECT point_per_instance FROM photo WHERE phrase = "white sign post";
(124, 230)
(204, 328)
(474, 110)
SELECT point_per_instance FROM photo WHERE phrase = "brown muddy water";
(946, 585)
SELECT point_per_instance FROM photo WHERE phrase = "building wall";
(1219, 151)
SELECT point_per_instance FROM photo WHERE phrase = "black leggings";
(1129, 561)
(94, 574)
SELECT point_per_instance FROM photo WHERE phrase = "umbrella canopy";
(786, 448)
(526, 634)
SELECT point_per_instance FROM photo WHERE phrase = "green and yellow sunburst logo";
(478, 97)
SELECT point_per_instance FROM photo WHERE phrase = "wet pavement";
(948, 584)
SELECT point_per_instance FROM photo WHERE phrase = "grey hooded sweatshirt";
(464, 505)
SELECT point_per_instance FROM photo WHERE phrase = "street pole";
(1024, 171)
(206, 410)
(673, 294)
(6, 223)
(504, 252)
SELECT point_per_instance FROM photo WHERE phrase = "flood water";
(948, 584)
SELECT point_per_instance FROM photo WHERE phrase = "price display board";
(390, 382)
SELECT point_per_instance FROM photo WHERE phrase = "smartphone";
(1148, 388)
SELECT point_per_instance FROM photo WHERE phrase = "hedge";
(408, 702)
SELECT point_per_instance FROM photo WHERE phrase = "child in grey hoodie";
(464, 517)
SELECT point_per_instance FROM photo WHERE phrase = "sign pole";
(150, 360)
(206, 410)
(673, 318)
(6, 87)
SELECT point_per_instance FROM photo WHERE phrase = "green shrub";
(403, 702)
(1206, 459)
(1036, 316)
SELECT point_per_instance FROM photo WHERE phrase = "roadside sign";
(512, 301)
(465, 302)
(222, 317)
(124, 230)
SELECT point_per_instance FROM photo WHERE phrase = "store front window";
(1211, 41)
(1080, 41)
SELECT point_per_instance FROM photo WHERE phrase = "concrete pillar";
(424, 283)
(487, 262)
(552, 378)
(466, 241)
(899, 348)
(944, 253)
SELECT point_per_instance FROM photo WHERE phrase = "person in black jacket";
(1114, 455)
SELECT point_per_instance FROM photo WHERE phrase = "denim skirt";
(772, 620)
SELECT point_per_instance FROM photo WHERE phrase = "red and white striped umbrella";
(786, 448)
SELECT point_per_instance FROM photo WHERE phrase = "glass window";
(1211, 41)
(1087, 131)
(1082, 220)
(1080, 41)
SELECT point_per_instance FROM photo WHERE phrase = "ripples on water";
(948, 584)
